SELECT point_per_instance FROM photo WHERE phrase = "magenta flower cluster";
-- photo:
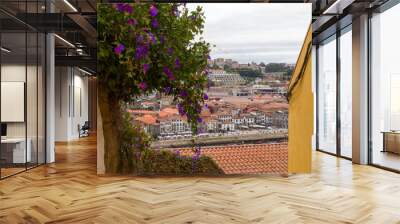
(177, 63)
(119, 49)
(146, 68)
(181, 110)
(154, 23)
(124, 7)
(132, 22)
(153, 11)
(168, 73)
(141, 51)
(142, 86)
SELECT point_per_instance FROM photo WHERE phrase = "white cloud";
(267, 32)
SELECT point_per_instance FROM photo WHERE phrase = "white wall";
(71, 102)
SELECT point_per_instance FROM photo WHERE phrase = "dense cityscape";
(244, 99)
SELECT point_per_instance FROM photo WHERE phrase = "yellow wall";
(301, 122)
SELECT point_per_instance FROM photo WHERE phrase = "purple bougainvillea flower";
(128, 8)
(206, 106)
(208, 57)
(177, 63)
(168, 73)
(183, 93)
(124, 7)
(141, 51)
(146, 68)
(181, 110)
(175, 11)
(170, 51)
(132, 22)
(139, 39)
(153, 11)
(167, 90)
(152, 37)
(119, 49)
(142, 86)
(205, 96)
(162, 39)
(154, 23)
(120, 7)
(199, 120)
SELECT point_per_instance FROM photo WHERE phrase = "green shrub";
(165, 162)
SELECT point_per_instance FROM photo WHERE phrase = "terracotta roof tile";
(248, 159)
(147, 119)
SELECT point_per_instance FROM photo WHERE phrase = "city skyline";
(251, 39)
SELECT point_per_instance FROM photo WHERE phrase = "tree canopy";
(150, 47)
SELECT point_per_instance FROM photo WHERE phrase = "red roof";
(248, 158)
(147, 119)
(166, 112)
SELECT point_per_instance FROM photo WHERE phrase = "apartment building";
(226, 79)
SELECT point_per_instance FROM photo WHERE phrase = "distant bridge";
(223, 140)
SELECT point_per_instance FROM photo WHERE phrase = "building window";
(346, 93)
(327, 95)
(22, 97)
(385, 89)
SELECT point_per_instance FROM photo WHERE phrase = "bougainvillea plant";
(147, 47)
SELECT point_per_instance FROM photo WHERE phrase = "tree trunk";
(111, 114)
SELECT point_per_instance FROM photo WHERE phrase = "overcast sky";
(259, 32)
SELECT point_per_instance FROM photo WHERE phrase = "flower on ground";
(146, 68)
(153, 11)
(119, 49)
(154, 23)
(132, 22)
(143, 86)
(168, 73)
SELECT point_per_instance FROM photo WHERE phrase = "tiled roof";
(147, 119)
(248, 158)
(166, 112)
